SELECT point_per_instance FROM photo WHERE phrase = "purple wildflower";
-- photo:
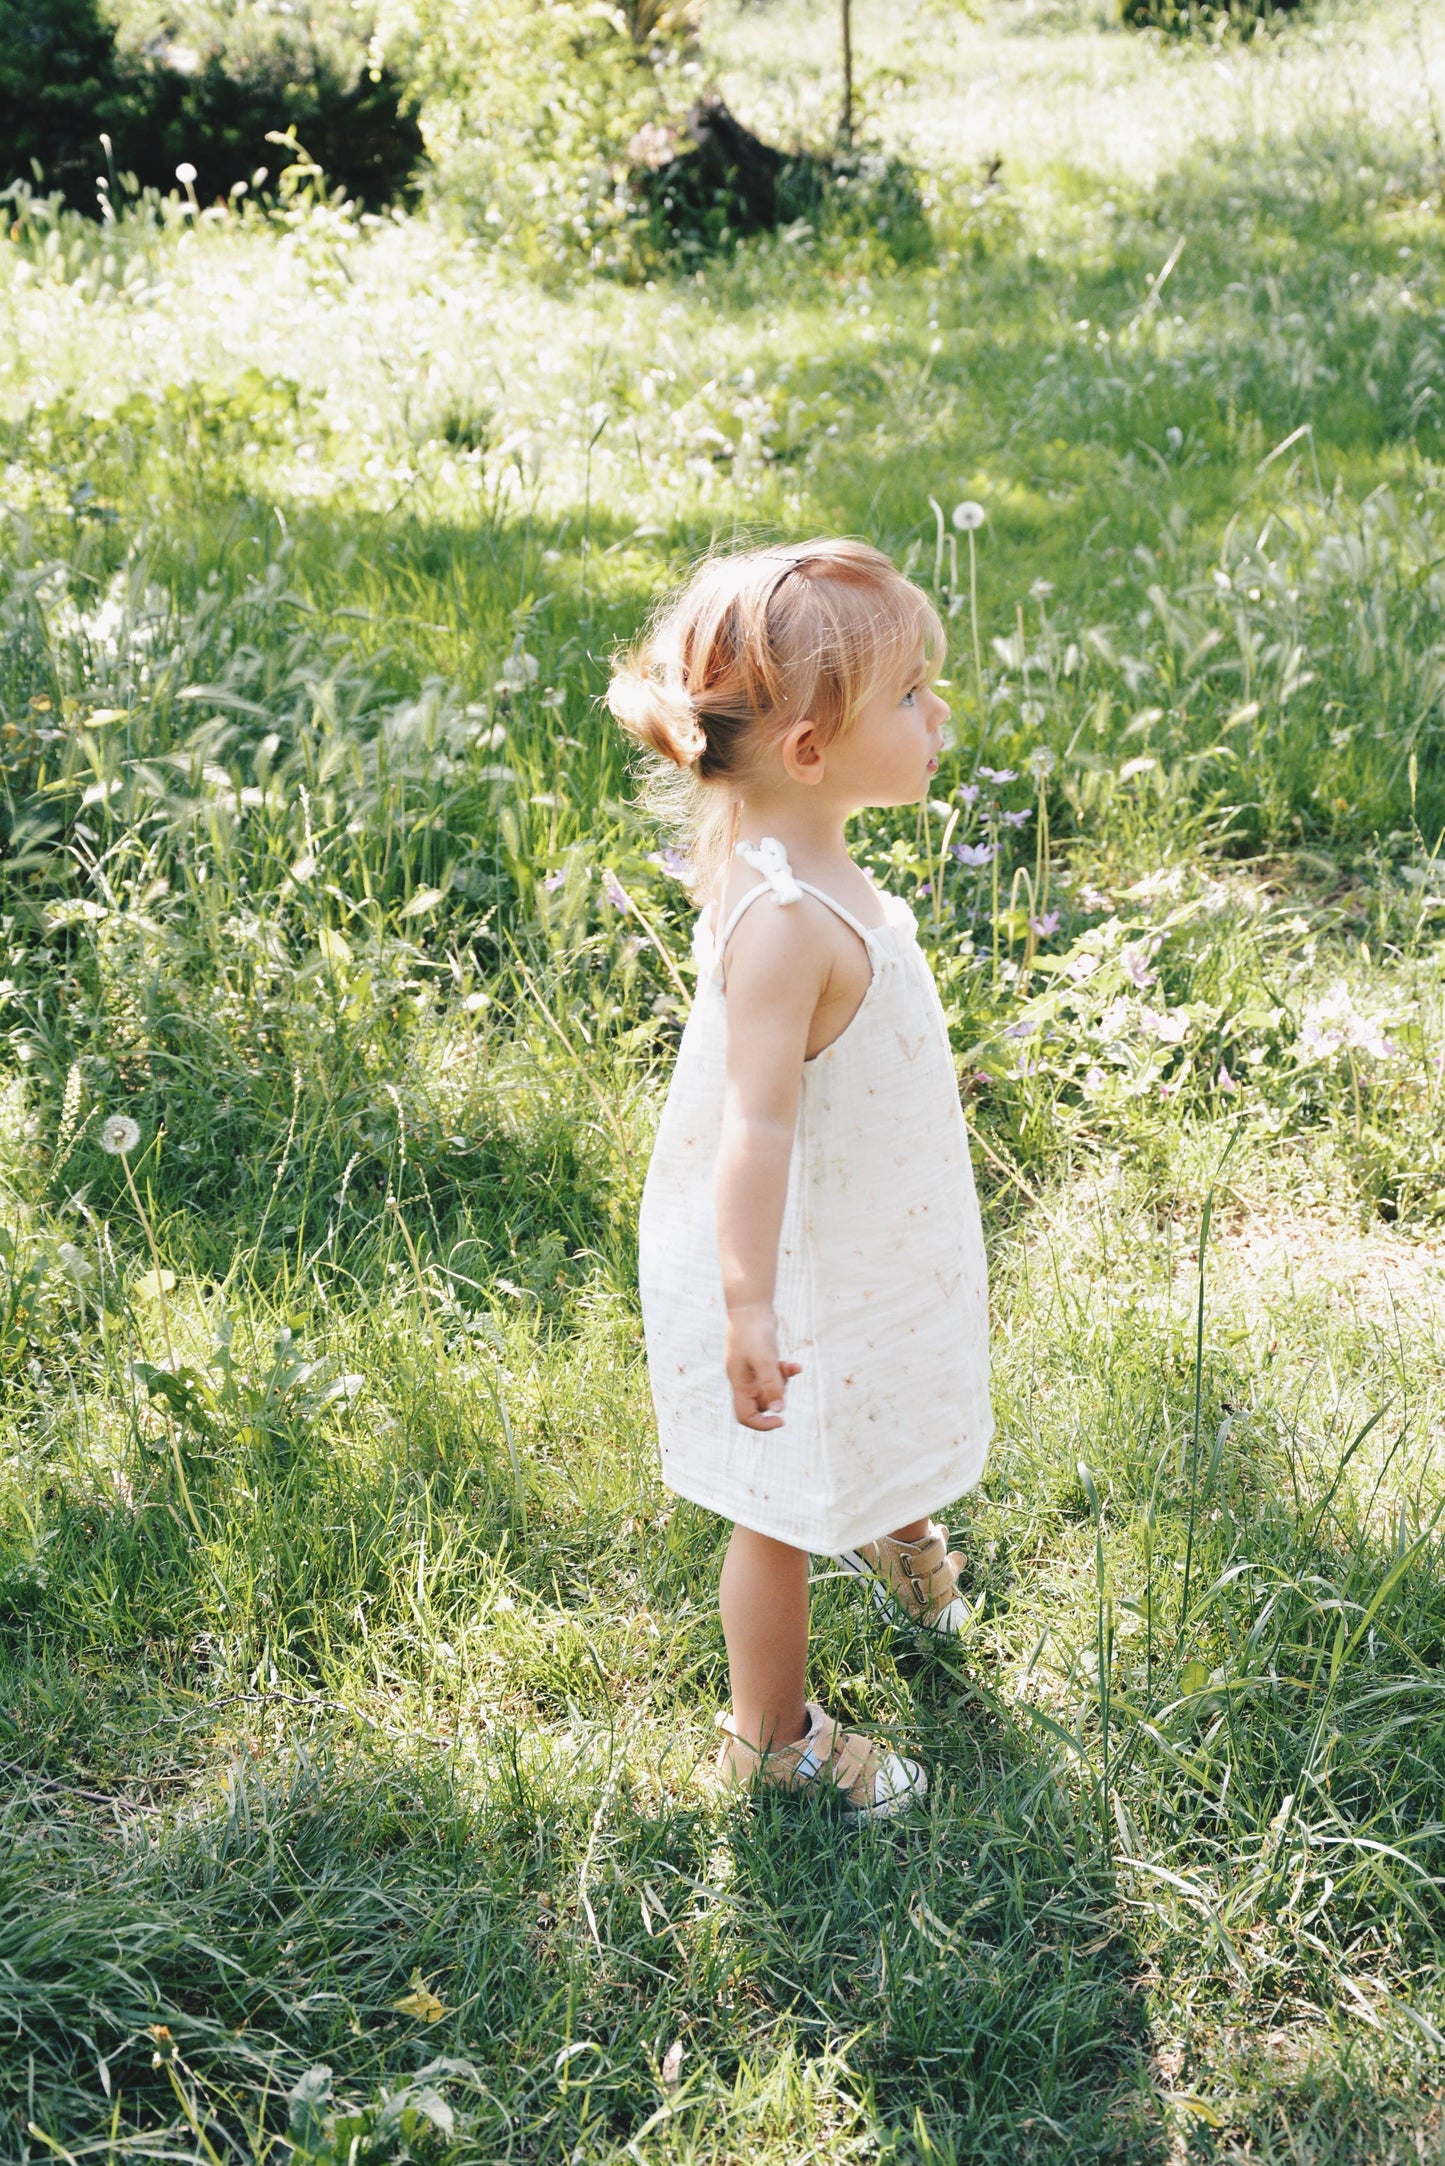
(1044, 926)
(1134, 961)
(554, 880)
(1016, 819)
(613, 889)
(969, 793)
(998, 774)
(974, 853)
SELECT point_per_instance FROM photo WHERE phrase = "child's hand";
(754, 1370)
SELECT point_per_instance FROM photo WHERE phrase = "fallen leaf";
(421, 2002)
(672, 2065)
(1199, 2107)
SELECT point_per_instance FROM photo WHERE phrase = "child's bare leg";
(913, 1532)
(764, 1602)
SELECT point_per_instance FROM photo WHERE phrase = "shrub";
(1182, 17)
(59, 89)
(204, 85)
(701, 187)
(213, 81)
(529, 110)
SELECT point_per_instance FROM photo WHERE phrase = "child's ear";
(802, 754)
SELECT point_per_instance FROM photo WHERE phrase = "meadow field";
(357, 1675)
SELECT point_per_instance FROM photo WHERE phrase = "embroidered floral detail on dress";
(771, 860)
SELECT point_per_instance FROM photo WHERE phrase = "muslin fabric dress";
(882, 1282)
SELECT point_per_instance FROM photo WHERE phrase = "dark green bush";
(1183, 17)
(60, 88)
(199, 85)
(703, 186)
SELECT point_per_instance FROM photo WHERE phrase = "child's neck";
(811, 833)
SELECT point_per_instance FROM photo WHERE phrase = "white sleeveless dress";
(882, 1283)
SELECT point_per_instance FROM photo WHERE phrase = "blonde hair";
(752, 644)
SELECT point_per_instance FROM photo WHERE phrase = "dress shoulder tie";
(771, 860)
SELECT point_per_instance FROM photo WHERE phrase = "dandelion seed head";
(185, 172)
(968, 517)
(119, 1135)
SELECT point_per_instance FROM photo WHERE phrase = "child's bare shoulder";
(779, 949)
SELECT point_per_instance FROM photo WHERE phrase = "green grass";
(349, 1646)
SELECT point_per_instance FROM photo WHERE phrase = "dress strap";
(771, 860)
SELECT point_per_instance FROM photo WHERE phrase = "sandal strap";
(927, 1569)
(825, 1752)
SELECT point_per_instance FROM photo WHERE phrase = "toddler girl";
(812, 1265)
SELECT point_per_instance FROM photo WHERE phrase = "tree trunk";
(845, 118)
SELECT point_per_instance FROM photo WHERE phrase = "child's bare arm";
(777, 967)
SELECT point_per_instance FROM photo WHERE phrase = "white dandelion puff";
(119, 1135)
(968, 517)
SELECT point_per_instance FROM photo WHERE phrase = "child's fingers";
(758, 1403)
(757, 1409)
(759, 1381)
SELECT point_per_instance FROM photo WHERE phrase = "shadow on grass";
(963, 1979)
(986, 1981)
(976, 1968)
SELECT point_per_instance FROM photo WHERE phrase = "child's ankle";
(777, 1734)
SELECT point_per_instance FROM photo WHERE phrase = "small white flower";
(185, 173)
(1170, 1029)
(968, 517)
(1333, 1024)
(119, 1134)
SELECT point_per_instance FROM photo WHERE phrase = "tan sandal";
(869, 1782)
(914, 1582)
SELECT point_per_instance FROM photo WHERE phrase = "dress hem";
(905, 1506)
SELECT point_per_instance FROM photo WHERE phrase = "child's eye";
(910, 698)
